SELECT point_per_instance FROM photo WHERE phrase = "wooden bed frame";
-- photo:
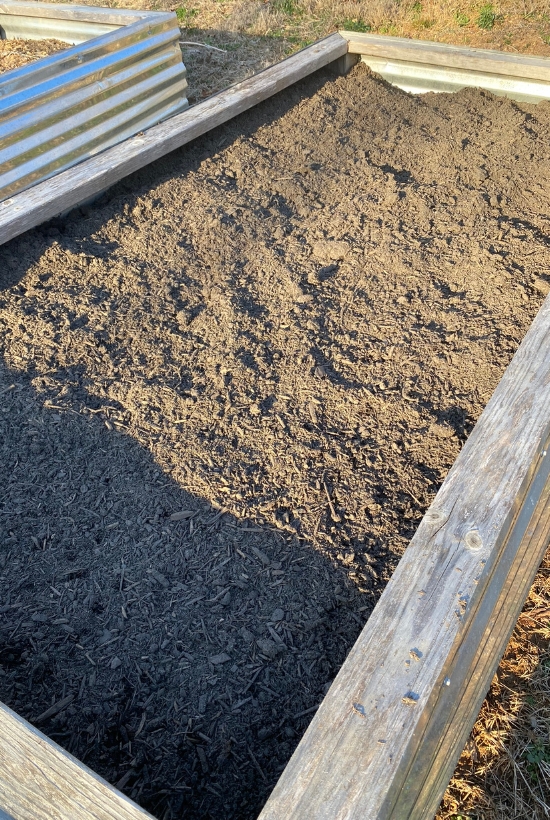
(385, 741)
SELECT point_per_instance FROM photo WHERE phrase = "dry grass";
(504, 772)
(254, 34)
(507, 25)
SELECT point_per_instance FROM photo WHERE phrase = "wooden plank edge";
(433, 54)
(514, 574)
(475, 661)
(83, 181)
(39, 780)
(336, 771)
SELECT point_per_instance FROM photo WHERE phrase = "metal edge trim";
(93, 14)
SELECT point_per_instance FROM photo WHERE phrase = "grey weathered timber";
(523, 66)
(40, 781)
(69, 188)
(385, 740)
(504, 598)
(418, 66)
(344, 64)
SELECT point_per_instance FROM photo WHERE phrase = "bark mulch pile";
(17, 53)
(230, 391)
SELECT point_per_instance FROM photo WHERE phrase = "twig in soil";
(335, 517)
(216, 517)
(317, 525)
(141, 725)
(55, 709)
(305, 712)
(313, 413)
(124, 779)
(206, 635)
(257, 764)
(218, 596)
(241, 703)
(204, 737)
(15, 630)
(251, 681)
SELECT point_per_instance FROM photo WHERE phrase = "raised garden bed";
(231, 391)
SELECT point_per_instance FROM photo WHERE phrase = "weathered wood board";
(385, 740)
(486, 61)
(40, 781)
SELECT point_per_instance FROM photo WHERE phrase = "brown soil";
(230, 391)
(17, 53)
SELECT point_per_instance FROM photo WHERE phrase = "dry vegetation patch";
(17, 53)
(255, 33)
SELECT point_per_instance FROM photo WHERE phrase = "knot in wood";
(473, 541)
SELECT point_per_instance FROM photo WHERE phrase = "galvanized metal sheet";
(72, 105)
(14, 27)
(35, 20)
(417, 78)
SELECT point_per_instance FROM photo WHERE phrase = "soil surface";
(230, 391)
(17, 53)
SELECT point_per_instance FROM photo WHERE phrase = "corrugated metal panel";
(68, 107)
(418, 66)
(71, 24)
(41, 28)
(418, 79)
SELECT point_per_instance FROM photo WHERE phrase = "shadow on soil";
(194, 650)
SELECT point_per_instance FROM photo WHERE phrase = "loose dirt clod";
(230, 391)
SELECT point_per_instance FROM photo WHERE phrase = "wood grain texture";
(394, 721)
(440, 54)
(476, 659)
(40, 781)
(78, 184)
